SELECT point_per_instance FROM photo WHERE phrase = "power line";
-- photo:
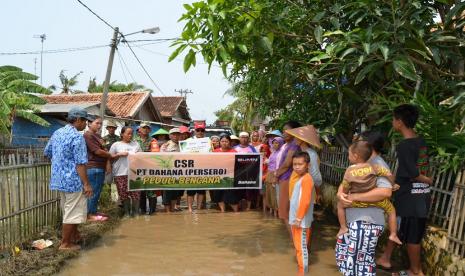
(55, 51)
(125, 65)
(166, 55)
(98, 16)
(73, 49)
(157, 39)
(143, 68)
(121, 65)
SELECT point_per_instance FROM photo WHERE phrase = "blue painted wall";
(26, 133)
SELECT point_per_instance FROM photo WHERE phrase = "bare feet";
(71, 246)
(342, 231)
(384, 264)
(393, 237)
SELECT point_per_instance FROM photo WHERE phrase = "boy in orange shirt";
(302, 195)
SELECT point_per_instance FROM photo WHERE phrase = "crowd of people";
(292, 183)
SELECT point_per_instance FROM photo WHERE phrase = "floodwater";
(204, 243)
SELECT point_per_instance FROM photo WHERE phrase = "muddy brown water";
(204, 243)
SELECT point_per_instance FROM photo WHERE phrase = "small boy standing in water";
(360, 177)
(302, 194)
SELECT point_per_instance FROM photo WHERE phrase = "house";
(174, 110)
(125, 108)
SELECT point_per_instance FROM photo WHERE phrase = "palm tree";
(67, 83)
(19, 97)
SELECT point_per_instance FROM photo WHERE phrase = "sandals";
(97, 218)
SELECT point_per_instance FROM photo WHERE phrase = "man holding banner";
(198, 143)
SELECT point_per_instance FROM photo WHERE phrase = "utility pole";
(106, 84)
(184, 92)
(42, 38)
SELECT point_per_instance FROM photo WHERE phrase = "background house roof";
(169, 105)
(121, 104)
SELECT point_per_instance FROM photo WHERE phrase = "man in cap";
(111, 137)
(185, 134)
(199, 128)
(67, 150)
(143, 139)
(170, 196)
(199, 132)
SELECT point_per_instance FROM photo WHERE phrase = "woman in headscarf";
(222, 197)
(270, 181)
(283, 173)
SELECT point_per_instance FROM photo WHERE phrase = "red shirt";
(220, 150)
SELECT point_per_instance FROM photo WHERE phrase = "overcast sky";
(67, 24)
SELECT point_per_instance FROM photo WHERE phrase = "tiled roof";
(167, 105)
(122, 104)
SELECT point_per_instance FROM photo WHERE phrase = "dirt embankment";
(48, 261)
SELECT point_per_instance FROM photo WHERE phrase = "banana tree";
(19, 98)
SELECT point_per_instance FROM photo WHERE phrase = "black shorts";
(411, 229)
(169, 195)
(193, 192)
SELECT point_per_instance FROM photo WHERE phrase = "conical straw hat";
(307, 134)
(161, 131)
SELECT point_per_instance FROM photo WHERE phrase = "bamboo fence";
(447, 192)
(27, 205)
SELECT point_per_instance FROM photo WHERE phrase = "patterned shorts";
(355, 250)
(122, 187)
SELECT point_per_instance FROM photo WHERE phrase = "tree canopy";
(340, 65)
(115, 86)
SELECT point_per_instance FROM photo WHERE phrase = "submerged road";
(205, 243)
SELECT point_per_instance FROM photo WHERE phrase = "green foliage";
(332, 63)
(18, 97)
(67, 83)
(115, 86)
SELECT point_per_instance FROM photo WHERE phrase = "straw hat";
(308, 134)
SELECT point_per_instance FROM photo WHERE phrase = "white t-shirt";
(120, 166)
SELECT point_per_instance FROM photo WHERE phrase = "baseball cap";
(175, 130)
(77, 112)
(111, 124)
(244, 134)
(144, 124)
(184, 129)
(234, 137)
(199, 125)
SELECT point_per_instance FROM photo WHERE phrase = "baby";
(361, 177)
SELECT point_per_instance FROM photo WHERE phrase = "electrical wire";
(143, 68)
(125, 65)
(98, 16)
(55, 51)
(121, 65)
(166, 55)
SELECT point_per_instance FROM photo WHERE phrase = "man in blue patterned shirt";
(68, 152)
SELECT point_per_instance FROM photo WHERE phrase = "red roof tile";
(167, 105)
(122, 104)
